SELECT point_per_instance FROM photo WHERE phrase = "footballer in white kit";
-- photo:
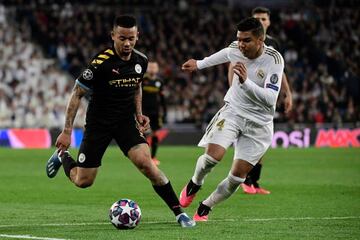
(246, 119)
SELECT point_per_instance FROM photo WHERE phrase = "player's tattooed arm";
(143, 122)
(138, 100)
(72, 107)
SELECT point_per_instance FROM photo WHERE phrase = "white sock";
(204, 165)
(224, 190)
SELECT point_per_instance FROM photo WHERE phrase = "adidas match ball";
(125, 214)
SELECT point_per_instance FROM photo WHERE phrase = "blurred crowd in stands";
(45, 45)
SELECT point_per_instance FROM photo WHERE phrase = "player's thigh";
(223, 130)
(253, 143)
(140, 155)
(127, 135)
(93, 146)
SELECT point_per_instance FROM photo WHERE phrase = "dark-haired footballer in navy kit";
(113, 79)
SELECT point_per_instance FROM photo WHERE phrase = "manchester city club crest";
(138, 68)
(274, 78)
(82, 157)
(87, 74)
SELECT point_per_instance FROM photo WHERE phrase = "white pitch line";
(28, 237)
(210, 220)
(298, 219)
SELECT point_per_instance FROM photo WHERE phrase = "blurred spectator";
(32, 89)
(321, 50)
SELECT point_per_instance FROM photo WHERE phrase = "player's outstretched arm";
(189, 65)
(64, 139)
(214, 59)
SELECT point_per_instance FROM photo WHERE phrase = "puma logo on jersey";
(116, 71)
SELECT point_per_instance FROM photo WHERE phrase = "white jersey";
(256, 98)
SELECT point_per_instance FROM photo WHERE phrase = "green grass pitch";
(315, 195)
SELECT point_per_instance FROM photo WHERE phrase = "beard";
(125, 54)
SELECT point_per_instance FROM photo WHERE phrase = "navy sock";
(255, 174)
(166, 192)
(154, 145)
(68, 163)
(203, 210)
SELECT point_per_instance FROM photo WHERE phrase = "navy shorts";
(97, 138)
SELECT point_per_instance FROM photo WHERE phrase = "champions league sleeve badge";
(87, 74)
(274, 78)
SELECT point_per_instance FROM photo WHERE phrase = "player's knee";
(84, 182)
(145, 165)
(215, 151)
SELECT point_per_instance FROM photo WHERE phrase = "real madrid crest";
(260, 74)
(138, 68)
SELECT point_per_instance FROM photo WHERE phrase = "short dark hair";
(260, 10)
(253, 25)
(125, 21)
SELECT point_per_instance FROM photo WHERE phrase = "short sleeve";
(88, 76)
(273, 80)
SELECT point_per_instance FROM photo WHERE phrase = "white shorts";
(251, 140)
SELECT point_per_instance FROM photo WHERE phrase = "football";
(125, 214)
